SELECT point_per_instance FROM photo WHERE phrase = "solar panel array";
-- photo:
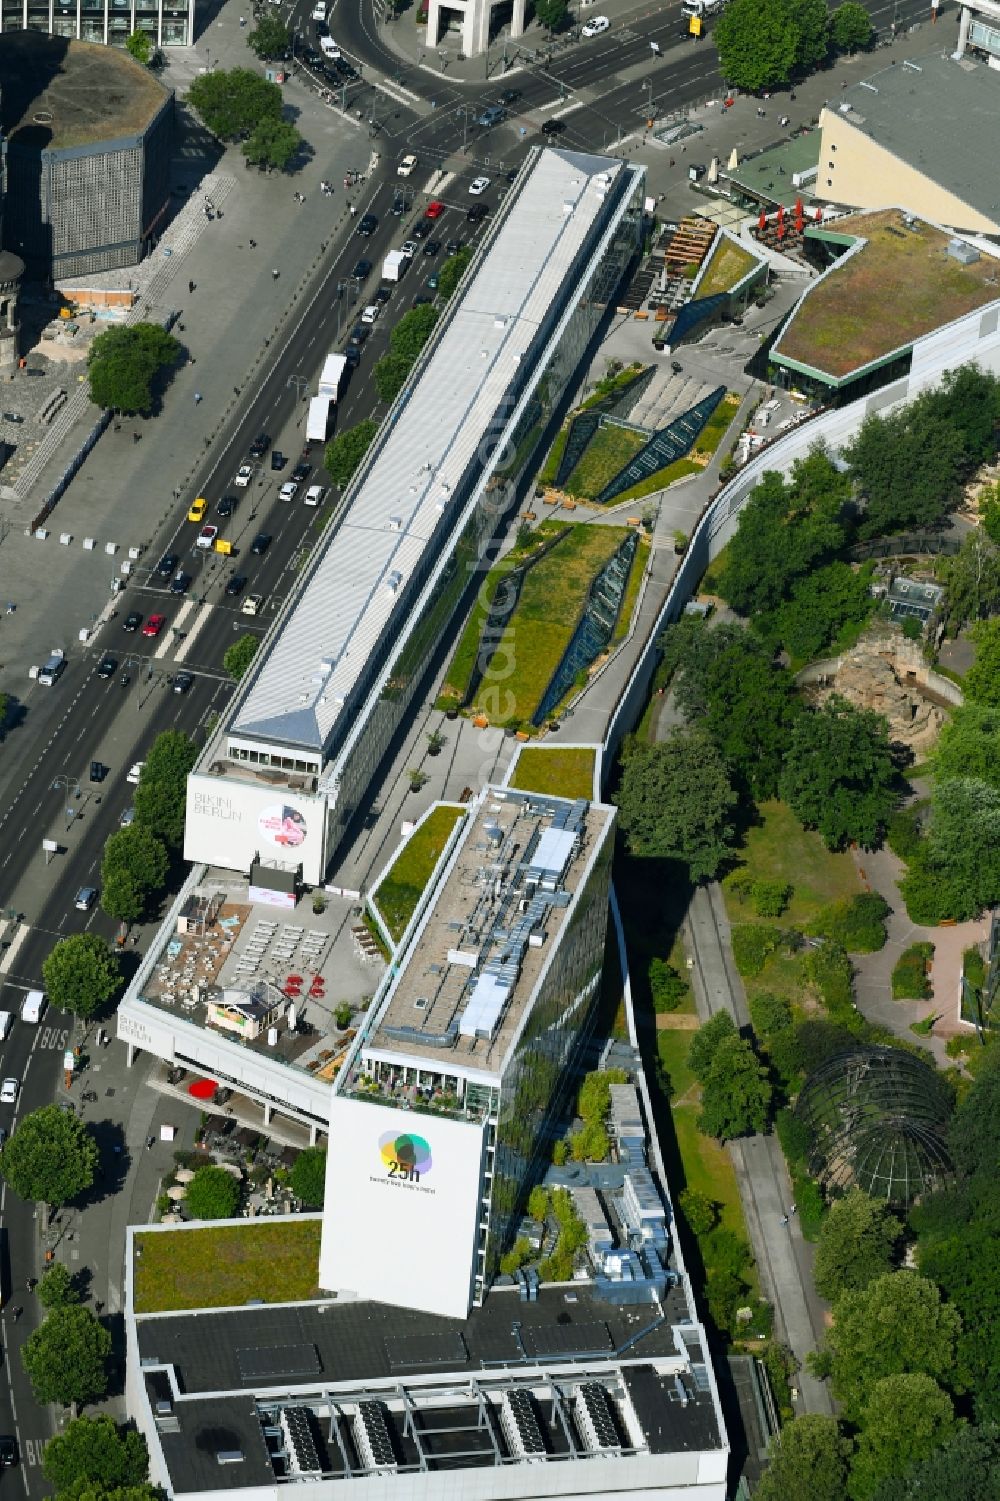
(371, 1434)
(300, 1445)
(594, 1418)
(521, 1426)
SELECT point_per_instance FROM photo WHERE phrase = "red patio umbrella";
(798, 208)
(819, 216)
(202, 1089)
(781, 213)
(762, 221)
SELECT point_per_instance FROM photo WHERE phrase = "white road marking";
(16, 942)
(189, 639)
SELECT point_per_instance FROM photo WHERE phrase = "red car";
(154, 625)
(434, 209)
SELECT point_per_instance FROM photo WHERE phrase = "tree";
(736, 1095)
(666, 987)
(91, 1490)
(269, 38)
(850, 27)
(839, 776)
(675, 801)
(972, 582)
(95, 1450)
(966, 1466)
(123, 363)
(308, 1178)
(810, 18)
(345, 452)
(897, 1323)
(232, 103)
(58, 1287)
(964, 842)
(213, 1194)
(757, 42)
(973, 1138)
(239, 656)
(906, 1417)
(752, 707)
(390, 374)
(706, 1041)
(701, 1212)
(272, 143)
(161, 796)
(808, 1458)
(856, 1244)
(452, 271)
(81, 974)
(135, 865)
(982, 681)
(910, 466)
(66, 1357)
(821, 605)
(969, 745)
(538, 1204)
(964, 1264)
(413, 330)
(769, 1014)
(50, 1157)
(550, 13)
(140, 47)
(690, 648)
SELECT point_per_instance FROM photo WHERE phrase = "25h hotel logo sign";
(406, 1157)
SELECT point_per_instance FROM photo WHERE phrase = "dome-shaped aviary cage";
(877, 1118)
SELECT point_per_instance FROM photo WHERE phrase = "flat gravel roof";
(57, 93)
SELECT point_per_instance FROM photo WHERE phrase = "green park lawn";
(399, 893)
(223, 1267)
(780, 849)
(705, 1161)
(558, 771)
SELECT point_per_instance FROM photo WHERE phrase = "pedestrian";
(149, 1143)
(191, 286)
(197, 397)
(784, 1219)
(353, 210)
(243, 22)
(16, 1313)
(32, 1284)
(253, 244)
(791, 1209)
(275, 274)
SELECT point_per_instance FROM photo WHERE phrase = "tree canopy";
(413, 330)
(270, 37)
(751, 711)
(344, 452)
(969, 744)
(66, 1357)
(58, 1287)
(706, 1042)
(92, 1490)
(857, 1241)
(390, 374)
(239, 656)
(272, 143)
(140, 47)
(50, 1156)
(971, 582)
(123, 363)
(905, 1418)
(967, 1466)
(550, 13)
(808, 1458)
(676, 801)
(838, 775)
(134, 866)
(452, 271)
(850, 27)
(81, 974)
(233, 102)
(212, 1194)
(96, 1450)
(757, 42)
(161, 796)
(736, 1094)
(308, 1178)
(982, 681)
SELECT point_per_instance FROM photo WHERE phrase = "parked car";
(244, 475)
(8, 1452)
(359, 334)
(352, 354)
(127, 818)
(206, 538)
(98, 771)
(259, 446)
(154, 625)
(165, 567)
(382, 295)
(278, 460)
(314, 496)
(135, 772)
(236, 585)
(85, 898)
(595, 26)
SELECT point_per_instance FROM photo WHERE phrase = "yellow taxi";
(198, 509)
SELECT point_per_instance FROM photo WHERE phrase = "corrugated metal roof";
(402, 501)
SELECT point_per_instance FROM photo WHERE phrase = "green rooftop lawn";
(899, 286)
(222, 1267)
(635, 577)
(399, 893)
(561, 772)
(608, 452)
(729, 263)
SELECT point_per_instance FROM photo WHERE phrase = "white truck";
(52, 670)
(332, 376)
(700, 8)
(394, 265)
(318, 420)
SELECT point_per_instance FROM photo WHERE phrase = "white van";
(33, 1006)
(314, 495)
(6, 1021)
(329, 48)
(319, 11)
(52, 670)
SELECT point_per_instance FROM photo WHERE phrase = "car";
(198, 509)
(183, 682)
(595, 26)
(107, 666)
(244, 475)
(252, 604)
(85, 898)
(420, 300)
(422, 228)
(382, 295)
(433, 247)
(8, 1092)
(98, 771)
(346, 69)
(133, 620)
(362, 270)
(492, 115)
(352, 354)
(453, 247)
(478, 185)
(432, 281)
(434, 209)
(408, 248)
(8, 1448)
(509, 96)
(477, 212)
(260, 544)
(367, 225)
(288, 490)
(371, 312)
(301, 472)
(227, 506)
(553, 127)
(127, 818)
(315, 495)
(359, 334)
(135, 772)
(399, 204)
(278, 460)
(154, 625)
(511, 176)
(206, 538)
(165, 568)
(236, 585)
(180, 583)
(406, 166)
(259, 446)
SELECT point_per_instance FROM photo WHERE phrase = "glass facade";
(166, 22)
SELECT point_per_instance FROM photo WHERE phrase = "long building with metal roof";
(282, 775)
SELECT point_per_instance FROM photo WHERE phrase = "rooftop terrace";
(897, 285)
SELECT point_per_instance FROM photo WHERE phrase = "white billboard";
(227, 823)
(402, 1206)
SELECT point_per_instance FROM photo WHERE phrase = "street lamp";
(71, 787)
(300, 383)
